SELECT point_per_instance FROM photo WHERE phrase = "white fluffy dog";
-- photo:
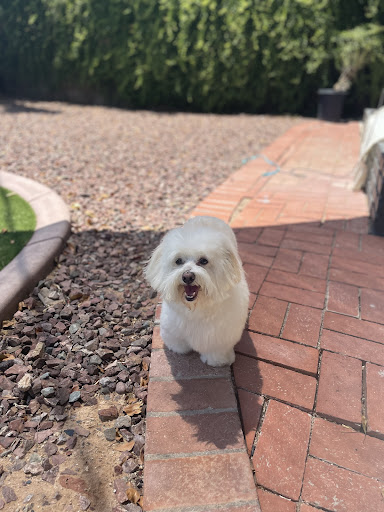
(198, 272)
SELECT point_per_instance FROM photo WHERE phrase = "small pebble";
(48, 392)
(74, 396)
(120, 388)
(110, 434)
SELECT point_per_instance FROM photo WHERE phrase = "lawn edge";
(37, 257)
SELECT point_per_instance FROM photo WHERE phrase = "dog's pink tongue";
(190, 289)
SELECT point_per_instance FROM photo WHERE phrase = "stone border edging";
(36, 259)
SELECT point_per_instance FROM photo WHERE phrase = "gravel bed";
(82, 339)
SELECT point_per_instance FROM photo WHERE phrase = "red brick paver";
(307, 508)
(338, 489)
(268, 315)
(309, 370)
(303, 325)
(340, 388)
(351, 346)
(281, 450)
(273, 381)
(193, 433)
(274, 503)
(347, 448)
(279, 351)
(375, 390)
(372, 305)
(343, 298)
(202, 480)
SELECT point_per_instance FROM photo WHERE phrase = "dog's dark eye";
(202, 261)
(179, 261)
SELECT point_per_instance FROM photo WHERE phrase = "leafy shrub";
(208, 55)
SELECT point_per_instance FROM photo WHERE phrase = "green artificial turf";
(17, 224)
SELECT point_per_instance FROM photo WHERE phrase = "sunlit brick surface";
(309, 371)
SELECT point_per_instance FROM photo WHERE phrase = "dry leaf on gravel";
(125, 447)
(6, 357)
(8, 323)
(133, 408)
(70, 247)
(133, 494)
(6, 396)
(141, 456)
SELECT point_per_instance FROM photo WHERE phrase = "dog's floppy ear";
(235, 265)
(153, 268)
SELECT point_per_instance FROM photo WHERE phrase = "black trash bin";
(330, 104)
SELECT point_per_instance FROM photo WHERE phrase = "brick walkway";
(309, 371)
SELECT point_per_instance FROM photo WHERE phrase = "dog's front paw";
(180, 350)
(180, 347)
(218, 359)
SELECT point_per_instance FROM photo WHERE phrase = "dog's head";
(196, 264)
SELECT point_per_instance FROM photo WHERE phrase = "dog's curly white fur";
(198, 272)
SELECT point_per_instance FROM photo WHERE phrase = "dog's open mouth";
(191, 292)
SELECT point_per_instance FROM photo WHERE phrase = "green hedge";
(207, 55)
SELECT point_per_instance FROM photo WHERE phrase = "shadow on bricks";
(195, 453)
(195, 403)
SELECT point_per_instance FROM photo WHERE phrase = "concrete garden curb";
(36, 259)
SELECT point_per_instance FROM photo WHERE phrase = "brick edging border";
(36, 259)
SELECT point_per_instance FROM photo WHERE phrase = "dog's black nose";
(188, 277)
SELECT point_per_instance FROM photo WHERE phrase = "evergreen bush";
(206, 55)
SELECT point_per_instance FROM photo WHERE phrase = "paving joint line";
(280, 365)
(203, 508)
(285, 319)
(182, 378)
(317, 380)
(358, 337)
(359, 312)
(275, 493)
(196, 412)
(332, 351)
(345, 468)
(187, 455)
(364, 409)
(285, 402)
(307, 455)
(238, 208)
(259, 427)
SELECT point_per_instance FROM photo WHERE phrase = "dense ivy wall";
(208, 55)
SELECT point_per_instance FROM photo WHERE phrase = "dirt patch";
(81, 478)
